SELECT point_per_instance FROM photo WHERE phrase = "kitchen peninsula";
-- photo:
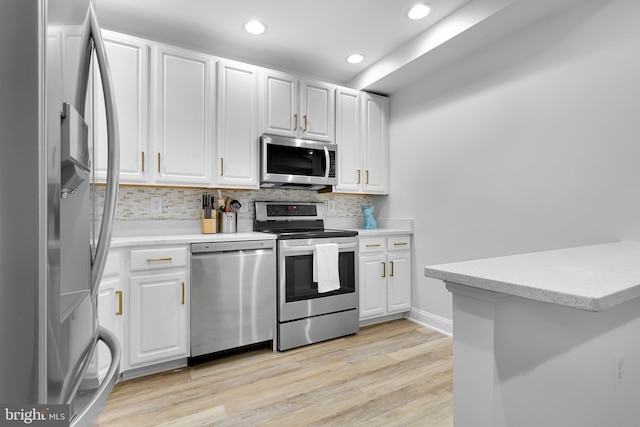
(547, 338)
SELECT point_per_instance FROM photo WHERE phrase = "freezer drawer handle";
(119, 312)
(159, 259)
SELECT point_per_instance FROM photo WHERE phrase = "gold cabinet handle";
(295, 121)
(305, 122)
(384, 269)
(367, 180)
(400, 244)
(119, 312)
(159, 259)
(182, 293)
(373, 245)
(143, 161)
(359, 176)
(391, 262)
(158, 162)
(221, 166)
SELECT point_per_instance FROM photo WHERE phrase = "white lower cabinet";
(385, 276)
(111, 309)
(146, 305)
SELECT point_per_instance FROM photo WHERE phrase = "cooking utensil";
(235, 205)
(227, 202)
(220, 201)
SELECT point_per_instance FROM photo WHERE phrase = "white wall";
(530, 145)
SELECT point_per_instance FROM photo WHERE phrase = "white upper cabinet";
(375, 139)
(128, 62)
(238, 130)
(298, 108)
(362, 134)
(182, 117)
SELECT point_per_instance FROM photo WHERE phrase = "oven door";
(298, 295)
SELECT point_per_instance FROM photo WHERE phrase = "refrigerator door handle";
(92, 32)
(91, 411)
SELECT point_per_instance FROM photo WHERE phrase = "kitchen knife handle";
(119, 312)
(384, 269)
(391, 262)
(182, 293)
(159, 259)
(305, 122)
(295, 121)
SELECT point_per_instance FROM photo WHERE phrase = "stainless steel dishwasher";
(233, 295)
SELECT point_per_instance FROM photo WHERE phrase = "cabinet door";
(318, 111)
(348, 140)
(399, 282)
(280, 104)
(111, 312)
(128, 62)
(183, 118)
(158, 328)
(373, 293)
(237, 142)
(376, 144)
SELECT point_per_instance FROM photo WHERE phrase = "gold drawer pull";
(143, 161)
(384, 269)
(119, 312)
(358, 176)
(182, 293)
(401, 244)
(373, 245)
(305, 123)
(159, 259)
(391, 262)
(295, 122)
(158, 162)
(367, 174)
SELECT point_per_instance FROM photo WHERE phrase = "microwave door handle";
(327, 160)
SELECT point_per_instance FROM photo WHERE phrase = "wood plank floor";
(390, 374)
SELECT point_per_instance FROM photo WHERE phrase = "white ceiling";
(315, 36)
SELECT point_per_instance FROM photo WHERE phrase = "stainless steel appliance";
(306, 315)
(300, 163)
(51, 262)
(233, 295)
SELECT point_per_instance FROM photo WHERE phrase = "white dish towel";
(325, 267)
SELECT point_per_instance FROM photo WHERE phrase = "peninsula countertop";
(590, 278)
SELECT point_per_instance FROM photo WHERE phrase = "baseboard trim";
(153, 369)
(431, 321)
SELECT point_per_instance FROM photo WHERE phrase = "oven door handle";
(304, 248)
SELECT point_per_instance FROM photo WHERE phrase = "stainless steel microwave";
(300, 163)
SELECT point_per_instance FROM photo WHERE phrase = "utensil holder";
(208, 224)
(228, 222)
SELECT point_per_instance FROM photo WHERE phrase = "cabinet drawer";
(372, 245)
(112, 266)
(399, 243)
(152, 259)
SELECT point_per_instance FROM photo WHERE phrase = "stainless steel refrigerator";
(53, 248)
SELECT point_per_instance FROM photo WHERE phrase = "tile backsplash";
(185, 203)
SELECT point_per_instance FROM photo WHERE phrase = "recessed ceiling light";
(419, 11)
(355, 58)
(254, 27)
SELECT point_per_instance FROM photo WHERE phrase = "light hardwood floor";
(390, 374)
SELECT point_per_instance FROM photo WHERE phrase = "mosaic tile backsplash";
(186, 203)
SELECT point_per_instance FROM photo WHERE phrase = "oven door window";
(299, 277)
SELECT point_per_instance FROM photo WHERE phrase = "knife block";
(208, 224)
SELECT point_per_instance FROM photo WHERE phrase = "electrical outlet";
(155, 206)
(331, 206)
(618, 370)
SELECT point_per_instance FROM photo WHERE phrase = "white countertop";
(165, 239)
(591, 278)
(364, 232)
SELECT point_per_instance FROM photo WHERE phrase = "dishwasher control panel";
(231, 246)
